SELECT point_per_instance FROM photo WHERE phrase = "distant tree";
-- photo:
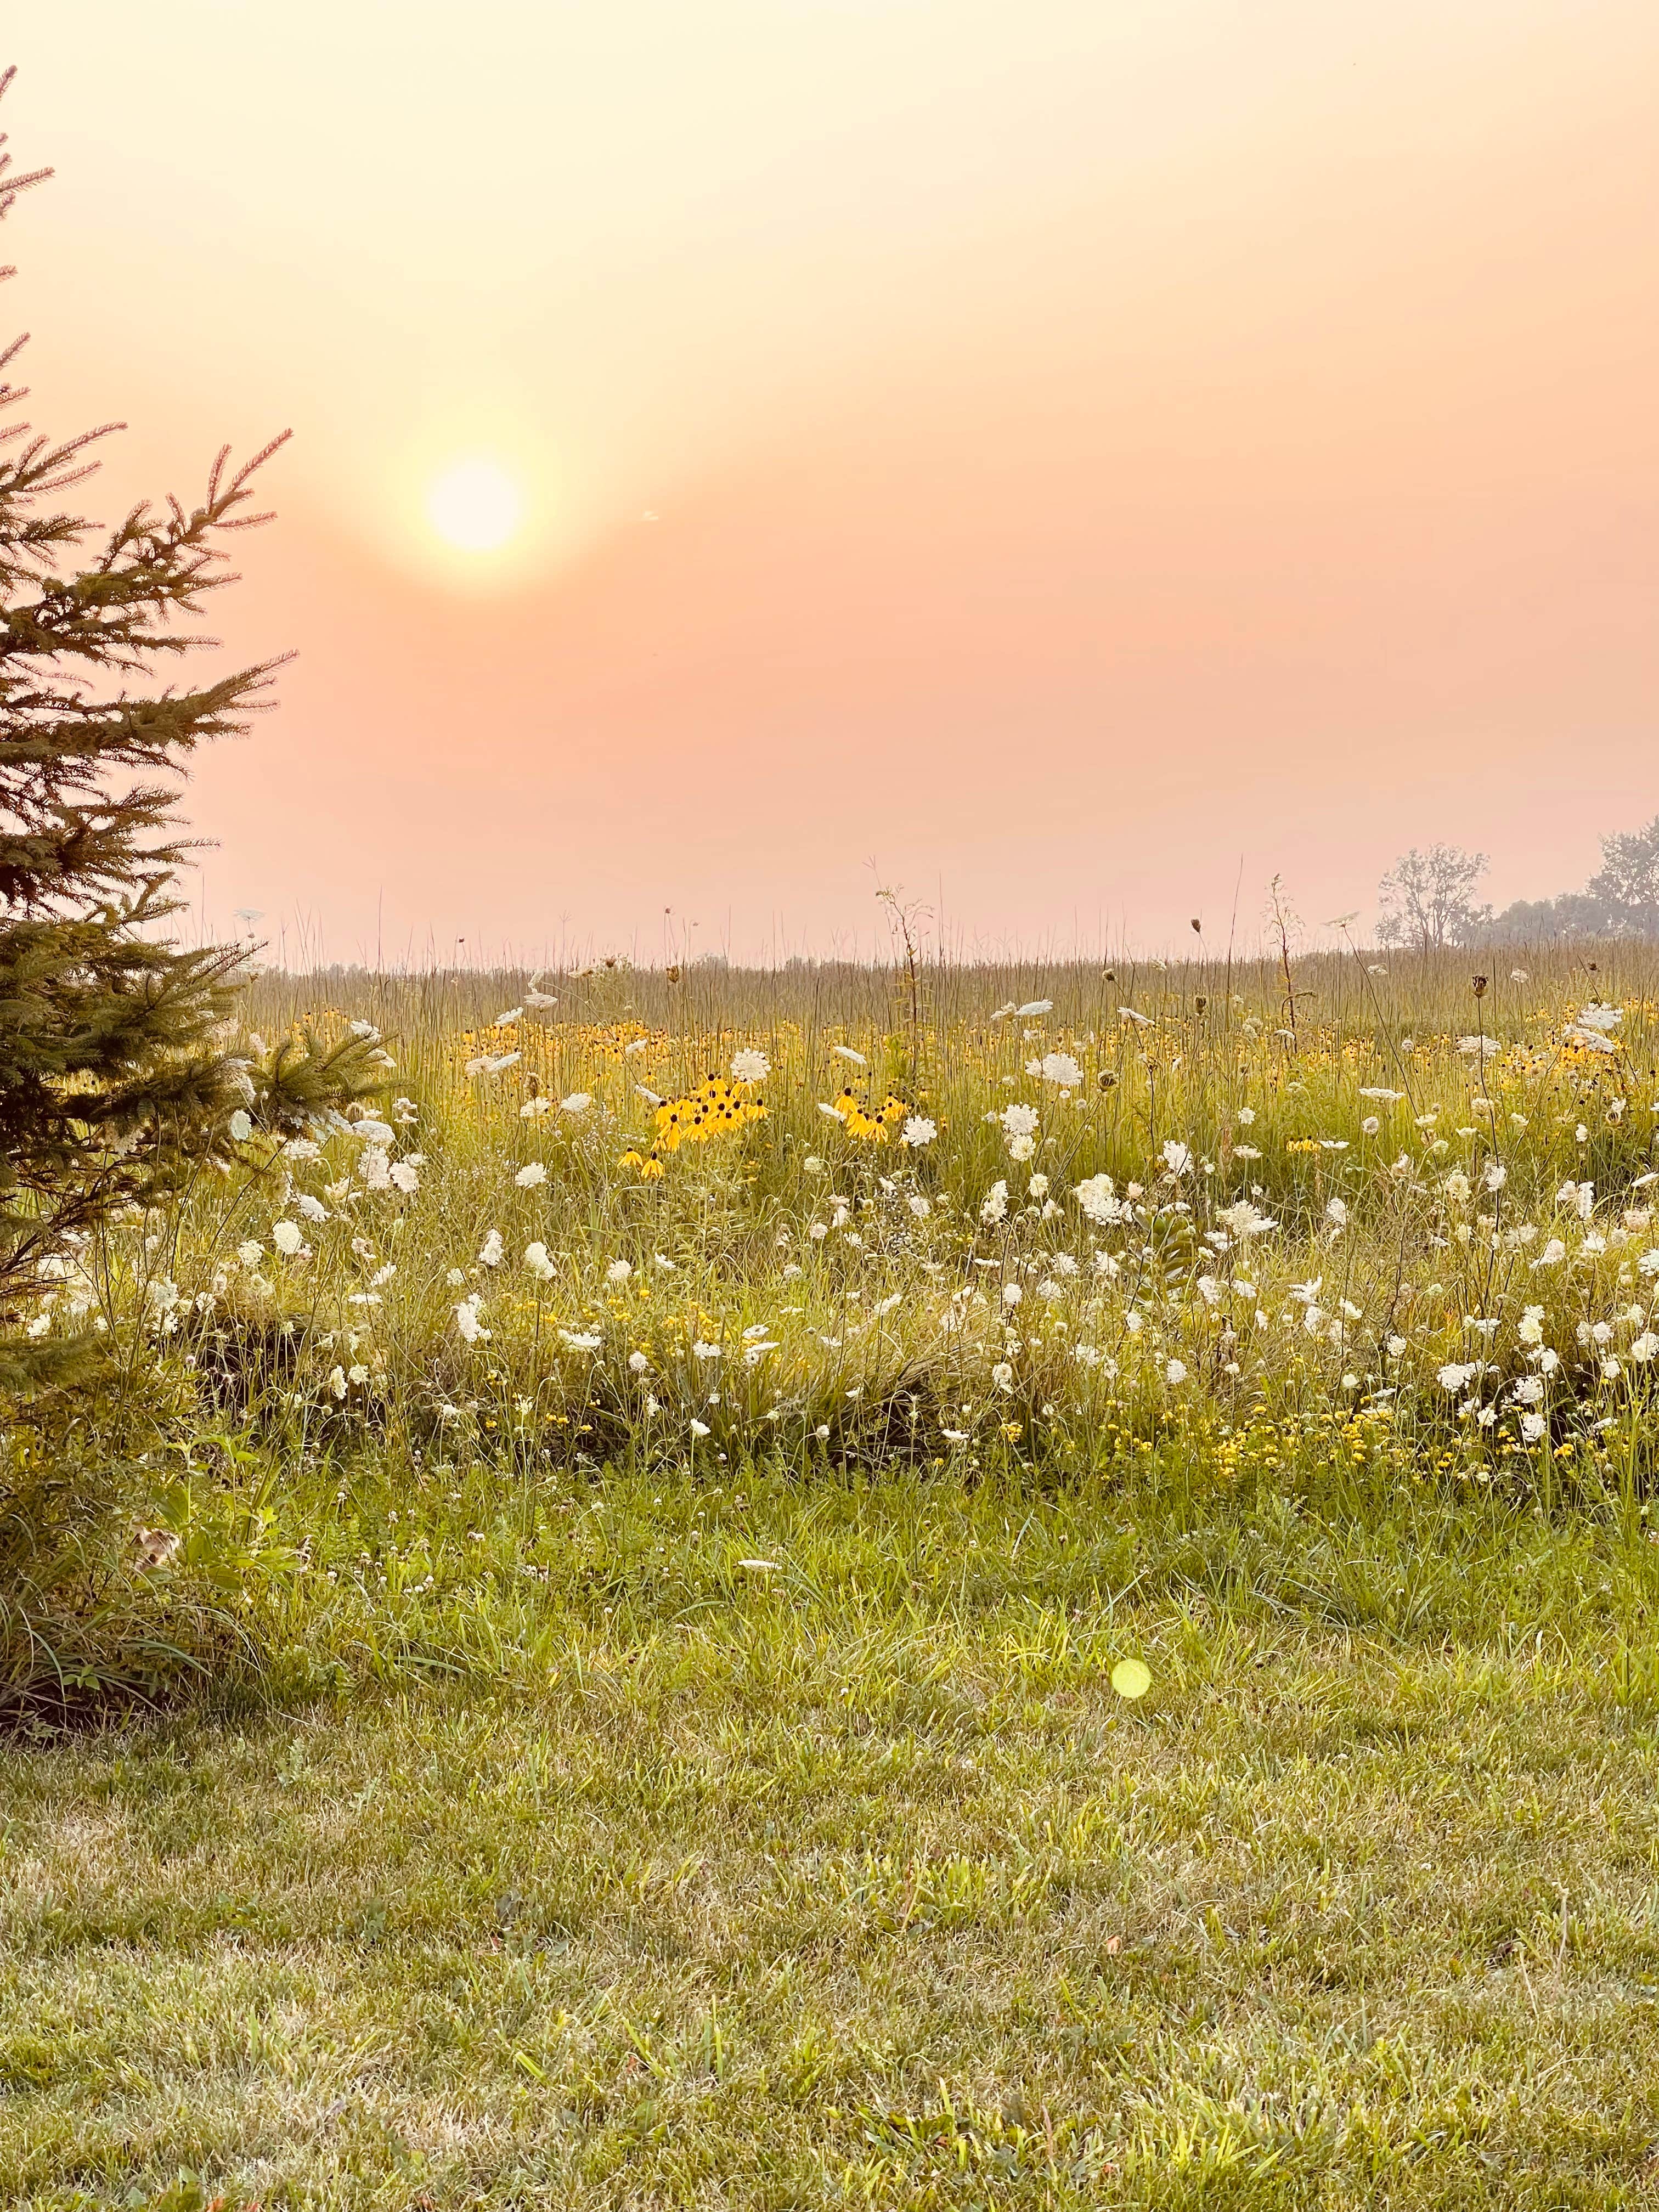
(1427, 899)
(1626, 884)
(1536, 922)
(116, 1077)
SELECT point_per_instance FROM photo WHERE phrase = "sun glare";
(475, 506)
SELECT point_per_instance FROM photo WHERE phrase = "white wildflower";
(1099, 1201)
(1244, 1220)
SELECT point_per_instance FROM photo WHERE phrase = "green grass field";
(658, 1879)
(632, 1590)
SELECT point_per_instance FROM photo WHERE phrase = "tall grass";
(1367, 1193)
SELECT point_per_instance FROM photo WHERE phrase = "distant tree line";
(1427, 900)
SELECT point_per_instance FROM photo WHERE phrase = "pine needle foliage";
(117, 1072)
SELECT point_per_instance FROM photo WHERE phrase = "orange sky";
(1092, 445)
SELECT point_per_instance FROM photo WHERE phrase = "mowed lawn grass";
(854, 1882)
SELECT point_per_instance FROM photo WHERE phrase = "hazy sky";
(1090, 446)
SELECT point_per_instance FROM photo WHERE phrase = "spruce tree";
(115, 1080)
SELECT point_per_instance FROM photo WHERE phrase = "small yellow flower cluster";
(714, 1110)
(870, 1125)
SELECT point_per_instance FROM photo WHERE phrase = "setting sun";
(475, 506)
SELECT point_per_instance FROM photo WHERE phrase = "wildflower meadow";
(963, 1584)
(1058, 1220)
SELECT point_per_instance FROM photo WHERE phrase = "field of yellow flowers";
(1042, 1216)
